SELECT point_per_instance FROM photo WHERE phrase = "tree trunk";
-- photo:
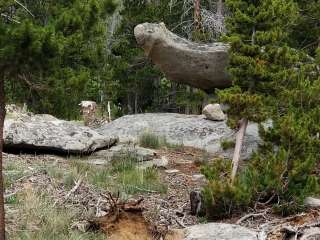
(238, 147)
(2, 116)
(187, 108)
(220, 7)
(135, 103)
(197, 14)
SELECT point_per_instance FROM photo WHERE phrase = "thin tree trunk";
(242, 131)
(135, 103)
(187, 108)
(197, 14)
(238, 147)
(220, 7)
(128, 104)
(2, 116)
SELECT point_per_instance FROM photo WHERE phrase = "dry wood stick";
(237, 150)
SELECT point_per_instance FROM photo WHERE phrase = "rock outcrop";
(219, 231)
(198, 65)
(45, 133)
(188, 130)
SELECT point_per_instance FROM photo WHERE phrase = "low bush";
(281, 177)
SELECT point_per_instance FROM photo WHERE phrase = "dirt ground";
(160, 213)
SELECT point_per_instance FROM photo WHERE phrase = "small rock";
(312, 202)
(142, 154)
(161, 163)
(158, 163)
(311, 234)
(98, 162)
(214, 112)
(101, 213)
(82, 226)
(198, 177)
(172, 171)
(219, 231)
(145, 165)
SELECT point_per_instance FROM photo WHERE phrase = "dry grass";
(36, 218)
(32, 214)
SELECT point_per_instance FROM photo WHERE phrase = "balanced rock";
(198, 65)
(219, 231)
(46, 133)
(214, 112)
(188, 130)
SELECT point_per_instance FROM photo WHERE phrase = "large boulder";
(198, 65)
(188, 130)
(45, 133)
(219, 231)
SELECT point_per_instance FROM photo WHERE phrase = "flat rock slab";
(46, 133)
(188, 130)
(219, 231)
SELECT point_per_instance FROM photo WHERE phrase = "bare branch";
(24, 7)
(9, 18)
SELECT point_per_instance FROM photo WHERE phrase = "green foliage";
(39, 220)
(227, 144)
(55, 59)
(150, 140)
(258, 54)
(136, 84)
(221, 198)
(274, 80)
(123, 175)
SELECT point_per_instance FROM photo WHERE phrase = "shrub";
(221, 198)
(280, 176)
(227, 144)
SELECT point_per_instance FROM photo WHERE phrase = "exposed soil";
(160, 214)
(128, 226)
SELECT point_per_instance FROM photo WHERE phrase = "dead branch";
(237, 150)
(73, 190)
(24, 7)
(252, 215)
(9, 18)
(78, 183)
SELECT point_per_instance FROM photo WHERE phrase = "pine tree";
(60, 51)
(46, 45)
(258, 30)
(272, 78)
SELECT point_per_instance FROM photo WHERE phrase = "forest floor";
(53, 197)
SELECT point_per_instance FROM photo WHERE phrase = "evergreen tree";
(271, 79)
(140, 85)
(258, 57)
(61, 54)
(50, 48)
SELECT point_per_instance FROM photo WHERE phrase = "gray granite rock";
(214, 112)
(122, 150)
(46, 133)
(219, 231)
(182, 61)
(188, 130)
